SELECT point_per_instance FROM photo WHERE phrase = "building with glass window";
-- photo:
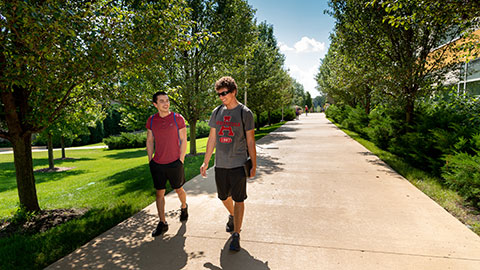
(465, 76)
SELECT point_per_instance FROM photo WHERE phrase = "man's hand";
(203, 169)
(253, 171)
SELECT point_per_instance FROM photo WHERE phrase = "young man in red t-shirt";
(167, 138)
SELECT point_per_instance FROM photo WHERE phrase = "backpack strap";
(244, 131)
(178, 130)
(217, 109)
(151, 122)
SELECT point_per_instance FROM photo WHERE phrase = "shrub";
(356, 120)
(276, 116)
(462, 172)
(126, 140)
(5, 143)
(202, 130)
(337, 113)
(381, 128)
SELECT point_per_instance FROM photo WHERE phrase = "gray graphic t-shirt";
(231, 142)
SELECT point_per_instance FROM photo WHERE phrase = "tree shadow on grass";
(8, 176)
(43, 177)
(43, 162)
(132, 180)
(126, 154)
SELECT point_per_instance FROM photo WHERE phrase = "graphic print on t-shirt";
(226, 132)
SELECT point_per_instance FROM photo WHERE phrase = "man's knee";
(160, 193)
(179, 190)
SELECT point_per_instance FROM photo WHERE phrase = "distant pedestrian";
(232, 132)
(167, 137)
(306, 110)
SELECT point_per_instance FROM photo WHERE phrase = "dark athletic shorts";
(173, 172)
(231, 182)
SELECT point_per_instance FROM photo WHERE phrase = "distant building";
(465, 75)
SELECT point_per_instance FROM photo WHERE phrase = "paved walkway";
(320, 201)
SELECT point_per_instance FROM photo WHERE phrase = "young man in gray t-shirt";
(232, 132)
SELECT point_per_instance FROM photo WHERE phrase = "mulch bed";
(40, 222)
(55, 169)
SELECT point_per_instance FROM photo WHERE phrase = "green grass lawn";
(112, 184)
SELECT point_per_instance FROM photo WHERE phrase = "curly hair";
(226, 82)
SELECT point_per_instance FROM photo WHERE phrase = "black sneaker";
(229, 226)
(161, 228)
(235, 244)
(184, 213)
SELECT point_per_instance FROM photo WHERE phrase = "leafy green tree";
(308, 101)
(401, 52)
(319, 101)
(346, 77)
(299, 96)
(71, 124)
(219, 38)
(266, 77)
(55, 51)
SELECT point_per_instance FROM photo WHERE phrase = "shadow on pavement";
(230, 260)
(272, 138)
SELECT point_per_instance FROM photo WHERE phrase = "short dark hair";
(226, 82)
(154, 98)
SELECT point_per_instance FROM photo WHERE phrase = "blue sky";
(302, 31)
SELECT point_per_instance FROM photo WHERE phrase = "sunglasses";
(224, 93)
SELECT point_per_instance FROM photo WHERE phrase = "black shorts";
(173, 172)
(231, 182)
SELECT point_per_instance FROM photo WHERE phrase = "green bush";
(126, 140)
(462, 172)
(111, 123)
(381, 128)
(276, 116)
(356, 120)
(202, 130)
(5, 143)
(337, 113)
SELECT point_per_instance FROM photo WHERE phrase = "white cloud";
(303, 61)
(306, 76)
(304, 45)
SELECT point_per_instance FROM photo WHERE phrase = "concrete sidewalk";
(320, 201)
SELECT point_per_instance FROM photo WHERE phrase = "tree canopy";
(56, 52)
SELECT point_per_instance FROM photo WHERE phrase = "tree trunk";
(15, 106)
(62, 143)
(258, 122)
(368, 99)
(410, 105)
(269, 118)
(409, 111)
(22, 153)
(193, 136)
(51, 166)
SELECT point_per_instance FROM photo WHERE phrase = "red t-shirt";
(167, 141)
